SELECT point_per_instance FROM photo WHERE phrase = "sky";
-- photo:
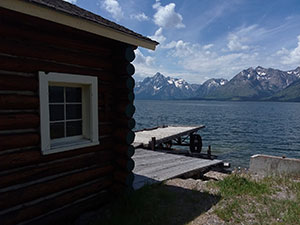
(203, 39)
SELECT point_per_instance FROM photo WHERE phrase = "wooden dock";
(152, 166)
(161, 135)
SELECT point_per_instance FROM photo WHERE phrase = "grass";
(236, 185)
(238, 199)
(268, 201)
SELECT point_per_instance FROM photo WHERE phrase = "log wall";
(38, 189)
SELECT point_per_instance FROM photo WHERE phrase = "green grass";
(237, 199)
(268, 201)
(235, 185)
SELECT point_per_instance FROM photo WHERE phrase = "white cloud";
(114, 8)
(205, 47)
(242, 38)
(158, 36)
(235, 43)
(201, 61)
(71, 1)
(291, 57)
(166, 16)
(141, 59)
(144, 65)
(140, 17)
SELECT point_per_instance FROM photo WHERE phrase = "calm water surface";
(235, 130)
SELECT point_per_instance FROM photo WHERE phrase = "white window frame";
(90, 134)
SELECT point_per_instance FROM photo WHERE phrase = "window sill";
(70, 146)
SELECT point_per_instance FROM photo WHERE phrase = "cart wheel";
(195, 143)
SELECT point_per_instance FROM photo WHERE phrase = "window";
(68, 111)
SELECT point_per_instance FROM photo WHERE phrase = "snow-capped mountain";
(250, 84)
(210, 86)
(257, 83)
(161, 87)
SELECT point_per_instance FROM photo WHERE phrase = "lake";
(235, 130)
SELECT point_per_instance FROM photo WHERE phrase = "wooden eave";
(59, 17)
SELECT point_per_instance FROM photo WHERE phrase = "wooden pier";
(153, 166)
(160, 135)
(153, 161)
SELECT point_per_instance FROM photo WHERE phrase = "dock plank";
(152, 166)
(163, 134)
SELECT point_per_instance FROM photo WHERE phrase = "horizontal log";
(18, 102)
(71, 212)
(46, 32)
(104, 116)
(37, 171)
(124, 177)
(124, 122)
(126, 150)
(42, 51)
(125, 82)
(18, 83)
(129, 54)
(126, 109)
(18, 64)
(19, 140)
(59, 201)
(23, 195)
(125, 69)
(19, 121)
(127, 96)
(34, 156)
(125, 163)
(124, 135)
(105, 129)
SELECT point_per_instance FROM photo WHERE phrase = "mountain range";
(251, 84)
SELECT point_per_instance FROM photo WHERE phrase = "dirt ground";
(207, 217)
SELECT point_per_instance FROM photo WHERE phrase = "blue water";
(235, 130)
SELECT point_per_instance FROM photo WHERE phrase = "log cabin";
(66, 107)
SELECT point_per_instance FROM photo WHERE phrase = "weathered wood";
(18, 64)
(127, 164)
(124, 135)
(41, 170)
(72, 211)
(19, 140)
(19, 121)
(57, 201)
(19, 196)
(129, 54)
(34, 156)
(124, 177)
(125, 122)
(39, 51)
(125, 82)
(19, 83)
(126, 69)
(41, 31)
(18, 101)
(126, 109)
(163, 134)
(154, 166)
(127, 150)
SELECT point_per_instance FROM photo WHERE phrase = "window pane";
(57, 130)
(74, 128)
(73, 94)
(74, 111)
(56, 112)
(56, 94)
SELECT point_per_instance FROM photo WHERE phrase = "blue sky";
(202, 39)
